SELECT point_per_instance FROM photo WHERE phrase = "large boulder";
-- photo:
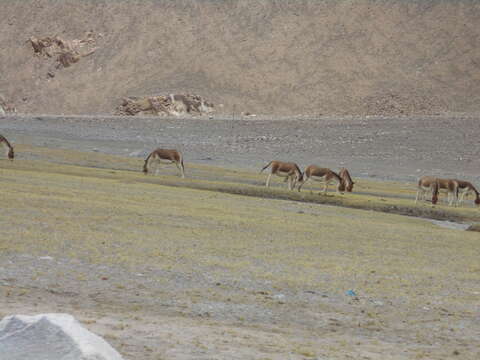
(51, 337)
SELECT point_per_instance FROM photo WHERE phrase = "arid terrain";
(363, 57)
(216, 266)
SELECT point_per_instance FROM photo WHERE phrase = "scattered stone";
(46, 258)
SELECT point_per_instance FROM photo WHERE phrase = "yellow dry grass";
(125, 218)
(384, 196)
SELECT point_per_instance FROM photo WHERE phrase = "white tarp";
(51, 337)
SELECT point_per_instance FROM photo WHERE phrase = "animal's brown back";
(426, 181)
(286, 167)
(313, 170)
(167, 154)
(447, 184)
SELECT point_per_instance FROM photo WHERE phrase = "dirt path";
(377, 147)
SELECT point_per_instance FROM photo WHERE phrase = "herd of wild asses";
(457, 190)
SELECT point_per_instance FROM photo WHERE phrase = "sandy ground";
(208, 306)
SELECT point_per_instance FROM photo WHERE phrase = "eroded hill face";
(266, 57)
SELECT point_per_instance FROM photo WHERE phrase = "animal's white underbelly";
(443, 191)
(162, 161)
(319, 178)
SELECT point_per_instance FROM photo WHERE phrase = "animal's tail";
(435, 190)
(145, 165)
(266, 166)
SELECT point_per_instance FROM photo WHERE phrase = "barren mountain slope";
(268, 57)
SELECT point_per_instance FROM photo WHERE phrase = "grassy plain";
(71, 209)
(103, 210)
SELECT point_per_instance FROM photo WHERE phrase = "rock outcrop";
(177, 105)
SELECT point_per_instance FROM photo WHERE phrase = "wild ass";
(347, 179)
(324, 175)
(8, 148)
(164, 156)
(450, 186)
(465, 188)
(290, 171)
(427, 184)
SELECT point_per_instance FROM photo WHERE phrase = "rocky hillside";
(281, 57)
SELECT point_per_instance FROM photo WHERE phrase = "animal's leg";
(156, 164)
(180, 167)
(416, 197)
(452, 199)
(455, 198)
(325, 188)
(302, 183)
(267, 184)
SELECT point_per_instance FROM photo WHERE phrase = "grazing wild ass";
(324, 175)
(427, 184)
(347, 179)
(164, 156)
(290, 171)
(464, 188)
(8, 148)
(449, 186)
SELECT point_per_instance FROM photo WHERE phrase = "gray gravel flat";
(400, 148)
